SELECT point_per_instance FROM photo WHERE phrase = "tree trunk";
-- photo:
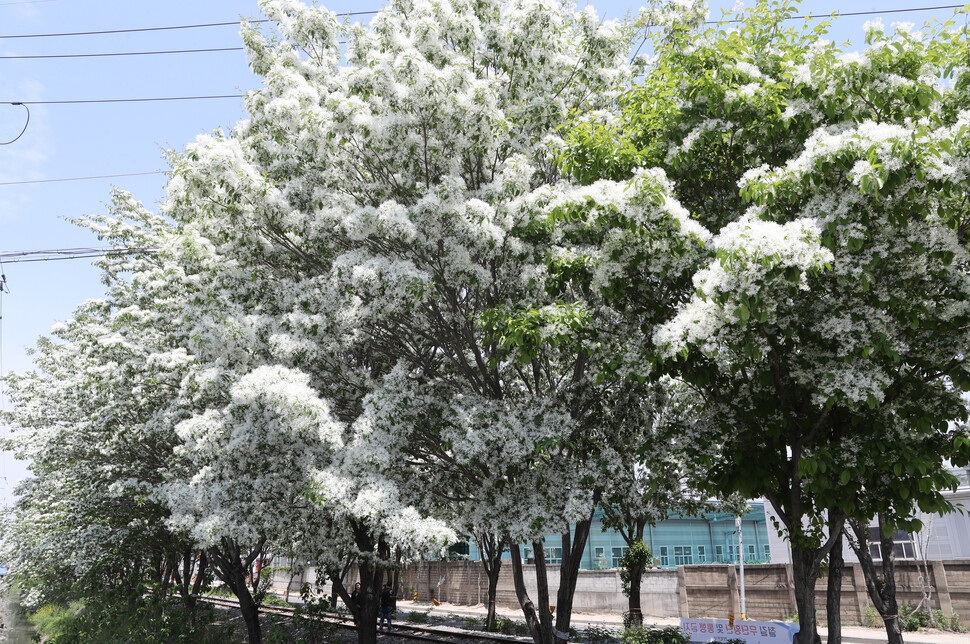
(572, 554)
(232, 568)
(833, 598)
(540, 621)
(804, 572)
(250, 615)
(490, 550)
(492, 589)
(371, 580)
(542, 590)
(636, 576)
(882, 592)
(528, 608)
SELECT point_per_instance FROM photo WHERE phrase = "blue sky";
(65, 141)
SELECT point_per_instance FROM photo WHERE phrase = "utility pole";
(737, 524)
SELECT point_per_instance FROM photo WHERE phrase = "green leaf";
(743, 313)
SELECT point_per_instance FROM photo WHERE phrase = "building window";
(683, 556)
(767, 553)
(701, 554)
(553, 555)
(664, 556)
(619, 553)
(599, 559)
(752, 553)
(719, 554)
(902, 545)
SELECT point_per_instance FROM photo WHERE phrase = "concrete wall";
(597, 591)
(711, 590)
(714, 591)
(465, 583)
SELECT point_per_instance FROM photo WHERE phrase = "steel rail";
(403, 630)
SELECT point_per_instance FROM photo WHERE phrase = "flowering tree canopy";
(398, 230)
(96, 421)
(827, 328)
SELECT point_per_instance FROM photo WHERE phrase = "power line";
(62, 254)
(843, 14)
(101, 176)
(814, 16)
(124, 53)
(128, 100)
(26, 123)
(143, 29)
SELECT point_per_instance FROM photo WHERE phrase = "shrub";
(599, 635)
(507, 626)
(669, 635)
(871, 617)
(111, 619)
(473, 624)
(955, 623)
(911, 619)
(53, 622)
(311, 621)
(417, 617)
(273, 600)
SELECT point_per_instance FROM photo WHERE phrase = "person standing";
(387, 606)
(355, 601)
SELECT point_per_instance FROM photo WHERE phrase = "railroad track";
(402, 630)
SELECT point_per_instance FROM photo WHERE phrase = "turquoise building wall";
(679, 540)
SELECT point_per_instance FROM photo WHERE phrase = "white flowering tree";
(394, 226)
(650, 477)
(96, 420)
(827, 329)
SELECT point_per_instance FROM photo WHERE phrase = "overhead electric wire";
(143, 29)
(26, 123)
(128, 100)
(123, 53)
(100, 176)
(843, 14)
(62, 254)
(834, 14)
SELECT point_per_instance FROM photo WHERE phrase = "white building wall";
(949, 536)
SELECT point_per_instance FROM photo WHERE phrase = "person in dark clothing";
(388, 602)
(355, 600)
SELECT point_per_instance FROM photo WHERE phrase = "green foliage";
(527, 333)
(669, 635)
(473, 624)
(310, 618)
(273, 600)
(508, 626)
(871, 617)
(111, 619)
(417, 617)
(911, 619)
(637, 558)
(599, 635)
(53, 622)
(955, 624)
